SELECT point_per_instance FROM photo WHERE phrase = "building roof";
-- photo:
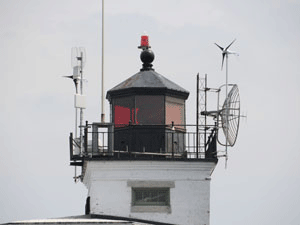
(82, 220)
(148, 81)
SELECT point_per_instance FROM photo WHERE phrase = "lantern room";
(148, 112)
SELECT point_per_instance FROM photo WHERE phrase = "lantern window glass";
(175, 111)
(149, 109)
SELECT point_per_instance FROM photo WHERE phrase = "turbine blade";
(219, 46)
(233, 53)
(230, 45)
(71, 77)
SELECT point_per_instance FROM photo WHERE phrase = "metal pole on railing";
(197, 117)
(205, 117)
(102, 76)
(86, 137)
(81, 93)
(71, 146)
(173, 129)
(226, 112)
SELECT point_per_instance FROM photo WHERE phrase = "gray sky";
(262, 182)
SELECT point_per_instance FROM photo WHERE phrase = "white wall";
(109, 187)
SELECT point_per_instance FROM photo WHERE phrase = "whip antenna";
(102, 76)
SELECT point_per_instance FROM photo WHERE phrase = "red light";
(145, 41)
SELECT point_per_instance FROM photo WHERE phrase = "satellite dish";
(230, 117)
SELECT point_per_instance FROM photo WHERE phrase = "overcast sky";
(262, 182)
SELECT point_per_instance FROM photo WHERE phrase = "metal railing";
(104, 140)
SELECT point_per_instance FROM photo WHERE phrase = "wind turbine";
(225, 53)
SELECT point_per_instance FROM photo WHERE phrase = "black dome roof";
(147, 82)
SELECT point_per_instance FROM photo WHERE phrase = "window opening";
(151, 196)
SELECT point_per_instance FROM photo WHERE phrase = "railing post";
(129, 149)
(86, 137)
(94, 138)
(197, 118)
(111, 139)
(205, 117)
(173, 130)
(71, 145)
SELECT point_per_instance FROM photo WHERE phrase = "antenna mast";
(81, 93)
(225, 53)
(226, 145)
(78, 58)
(201, 119)
(102, 76)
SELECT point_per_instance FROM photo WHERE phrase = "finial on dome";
(147, 57)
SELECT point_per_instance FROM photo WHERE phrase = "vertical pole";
(172, 144)
(71, 155)
(226, 75)
(131, 147)
(197, 117)
(76, 112)
(71, 146)
(95, 138)
(86, 137)
(102, 80)
(110, 139)
(226, 110)
(173, 130)
(76, 128)
(81, 93)
(205, 106)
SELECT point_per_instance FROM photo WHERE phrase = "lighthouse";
(143, 165)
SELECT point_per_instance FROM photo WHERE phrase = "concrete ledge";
(151, 209)
(150, 184)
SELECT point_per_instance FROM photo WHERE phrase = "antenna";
(78, 60)
(227, 115)
(230, 116)
(102, 70)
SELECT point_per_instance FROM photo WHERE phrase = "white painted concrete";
(110, 182)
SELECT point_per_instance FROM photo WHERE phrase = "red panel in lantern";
(122, 116)
(123, 111)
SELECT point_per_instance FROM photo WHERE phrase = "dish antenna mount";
(230, 117)
(227, 115)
